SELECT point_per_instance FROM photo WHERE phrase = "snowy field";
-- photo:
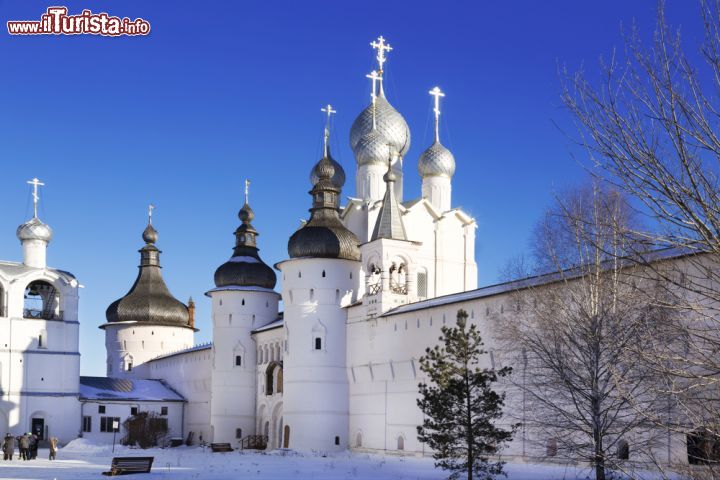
(81, 460)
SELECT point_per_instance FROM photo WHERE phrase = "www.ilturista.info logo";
(57, 22)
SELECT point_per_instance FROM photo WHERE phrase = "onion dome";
(338, 178)
(372, 149)
(436, 161)
(34, 229)
(149, 302)
(389, 123)
(324, 235)
(245, 268)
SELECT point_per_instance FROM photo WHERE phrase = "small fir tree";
(459, 405)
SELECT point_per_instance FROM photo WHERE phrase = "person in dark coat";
(25, 447)
(8, 447)
(33, 446)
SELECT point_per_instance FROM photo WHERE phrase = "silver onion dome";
(389, 123)
(372, 149)
(338, 178)
(436, 161)
(34, 229)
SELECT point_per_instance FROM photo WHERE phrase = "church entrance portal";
(286, 437)
(38, 427)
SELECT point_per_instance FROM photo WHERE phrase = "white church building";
(366, 287)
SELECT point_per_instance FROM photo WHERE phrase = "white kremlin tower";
(243, 300)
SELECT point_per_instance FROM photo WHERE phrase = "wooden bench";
(221, 447)
(126, 465)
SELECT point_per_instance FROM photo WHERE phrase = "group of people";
(28, 446)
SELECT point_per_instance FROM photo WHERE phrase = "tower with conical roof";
(321, 277)
(148, 321)
(243, 300)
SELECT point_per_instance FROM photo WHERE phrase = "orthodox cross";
(247, 190)
(375, 78)
(35, 183)
(326, 137)
(437, 93)
(381, 47)
(151, 207)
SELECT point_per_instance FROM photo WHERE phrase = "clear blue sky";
(221, 91)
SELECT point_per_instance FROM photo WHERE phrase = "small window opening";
(133, 411)
(238, 433)
(337, 440)
(238, 360)
(552, 448)
(163, 410)
(323, 273)
(318, 343)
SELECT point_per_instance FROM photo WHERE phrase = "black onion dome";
(245, 268)
(324, 235)
(337, 178)
(149, 301)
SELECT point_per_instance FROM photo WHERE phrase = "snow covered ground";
(83, 460)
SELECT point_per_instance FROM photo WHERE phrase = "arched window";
(623, 450)
(551, 448)
(318, 336)
(42, 341)
(42, 300)
(400, 443)
(422, 290)
(273, 378)
(128, 363)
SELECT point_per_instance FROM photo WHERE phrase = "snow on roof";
(274, 324)
(202, 346)
(121, 389)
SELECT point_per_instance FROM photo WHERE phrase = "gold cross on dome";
(247, 190)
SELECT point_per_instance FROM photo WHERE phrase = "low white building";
(109, 402)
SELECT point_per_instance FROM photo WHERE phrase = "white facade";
(236, 313)
(315, 292)
(39, 351)
(133, 344)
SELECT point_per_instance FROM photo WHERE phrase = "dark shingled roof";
(149, 301)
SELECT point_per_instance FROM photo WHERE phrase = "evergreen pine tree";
(460, 406)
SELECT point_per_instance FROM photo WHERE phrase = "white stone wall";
(135, 343)
(270, 357)
(189, 374)
(121, 410)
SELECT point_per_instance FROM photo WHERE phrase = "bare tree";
(651, 126)
(576, 334)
